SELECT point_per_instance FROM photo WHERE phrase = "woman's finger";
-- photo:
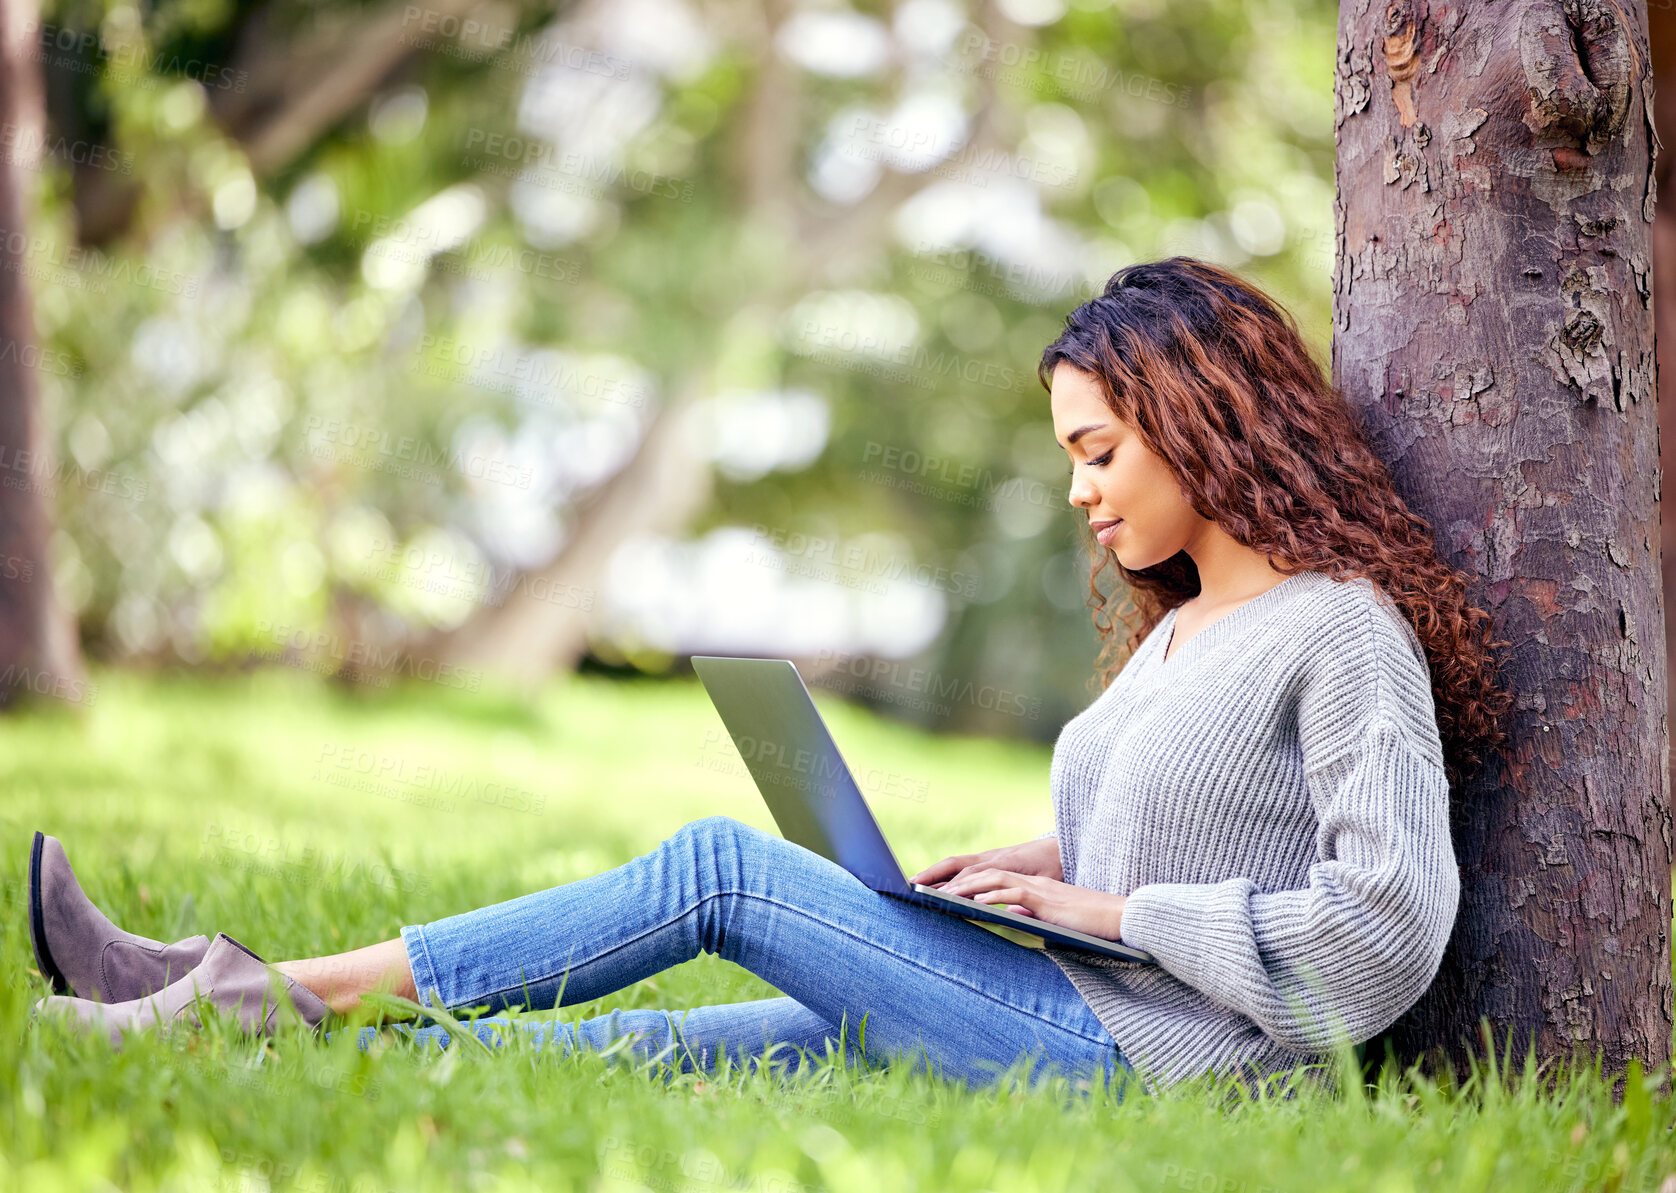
(938, 871)
(974, 879)
(996, 887)
(1007, 895)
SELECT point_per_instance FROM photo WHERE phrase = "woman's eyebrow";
(1081, 431)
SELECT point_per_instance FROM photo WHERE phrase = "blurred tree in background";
(38, 649)
(452, 339)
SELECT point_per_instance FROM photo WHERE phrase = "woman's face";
(1115, 478)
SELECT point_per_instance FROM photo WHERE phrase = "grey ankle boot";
(230, 977)
(78, 949)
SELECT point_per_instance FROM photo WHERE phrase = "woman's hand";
(1033, 857)
(1094, 912)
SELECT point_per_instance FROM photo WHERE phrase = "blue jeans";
(859, 969)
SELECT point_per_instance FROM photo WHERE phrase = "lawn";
(301, 819)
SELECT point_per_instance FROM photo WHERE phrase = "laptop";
(815, 800)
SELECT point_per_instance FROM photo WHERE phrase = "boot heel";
(37, 922)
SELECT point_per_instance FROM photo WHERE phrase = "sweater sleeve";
(1350, 952)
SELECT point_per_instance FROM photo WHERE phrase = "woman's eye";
(1099, 463)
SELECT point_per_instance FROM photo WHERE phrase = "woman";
(1260, 798)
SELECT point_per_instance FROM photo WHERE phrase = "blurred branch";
(834, 238)
(772, 129)
(300, 89)
(299, 86)
(525, 637)
(666, 483)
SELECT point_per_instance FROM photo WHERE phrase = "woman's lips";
(1106, 535)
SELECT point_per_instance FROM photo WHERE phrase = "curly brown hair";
(1217, 381)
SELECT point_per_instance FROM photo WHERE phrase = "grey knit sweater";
(1272, 801)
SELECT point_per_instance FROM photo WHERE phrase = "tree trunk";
(38, 651)
(537, 622)
(1493, 326)
(1661, 30)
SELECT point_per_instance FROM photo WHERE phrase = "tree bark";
(1661, 31)
(1493, 325)
(38, 649)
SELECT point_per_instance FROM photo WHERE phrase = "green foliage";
(189, 805)
(334, 391)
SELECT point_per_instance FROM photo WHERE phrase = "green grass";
(236, 805)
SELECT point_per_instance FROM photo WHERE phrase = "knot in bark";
(1402, 62)
(1579, 70)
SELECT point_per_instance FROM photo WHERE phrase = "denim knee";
(721, 845)
(717, 831)
(725, 855)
